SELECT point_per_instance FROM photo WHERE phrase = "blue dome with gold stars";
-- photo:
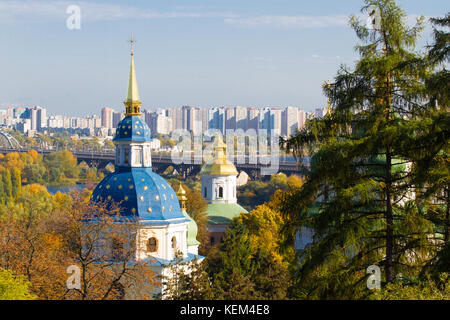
(140, 193)
(132, 128)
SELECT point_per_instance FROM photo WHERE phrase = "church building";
(218, 178)
(165, 228)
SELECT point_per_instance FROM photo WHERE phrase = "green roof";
(223, 213)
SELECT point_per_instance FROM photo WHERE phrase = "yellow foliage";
(34, 155)
(34, 188)
(52, 241)
(264, 226)
(61, 201)
(13, 160)
(294, 181)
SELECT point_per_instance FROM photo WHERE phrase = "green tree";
(420, 290)
(7, 183)
(14, 287)
(244, 267)
(61, 165)
(271, 278)
(34, 173)
(192, 285)
(2, 189)
(431, 169)
(231, 267)
(359, 195)
(16, 181)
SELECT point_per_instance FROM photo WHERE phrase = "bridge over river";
(186, 167)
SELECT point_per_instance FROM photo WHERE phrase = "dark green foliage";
(230, 272)
(238, 274)
(61, 165)
(7, 183)
(2, 190)
(16, 181)
(362, 183)
(271, 279)
(192, 285)
(34, 173)
(432, 168)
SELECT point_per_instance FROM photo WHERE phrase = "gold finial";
(219, 165)
(181, 190)
(132, 41)
(132, 104)
(181, 194)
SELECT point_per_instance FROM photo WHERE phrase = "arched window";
(174, 242)
(118, 156)
(138, 157)
(206, 192)
(146, 152)
(152, 245)
(220, 192)
(127, 156)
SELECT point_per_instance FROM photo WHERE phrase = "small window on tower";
(206, 192)
(127, 156)
(174, 242)
(138, 159)
(146, 152)
(220, 192)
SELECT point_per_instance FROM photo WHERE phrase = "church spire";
(220, 149)
(132, 104)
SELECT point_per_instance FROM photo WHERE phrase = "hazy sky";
(198, 52)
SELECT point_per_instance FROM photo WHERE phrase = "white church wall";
(163, 235)
(213, 185)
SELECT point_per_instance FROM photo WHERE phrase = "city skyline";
(205, 54)
(281, 121)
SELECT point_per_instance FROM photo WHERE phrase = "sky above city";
(202, 53)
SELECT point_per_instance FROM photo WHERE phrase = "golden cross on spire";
(132, 41)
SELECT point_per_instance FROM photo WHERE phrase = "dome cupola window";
(174, 243)
(127, 156)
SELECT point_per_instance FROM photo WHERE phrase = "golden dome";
(219, 165)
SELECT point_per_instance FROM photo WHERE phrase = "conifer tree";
(432, 168)
(16, 181)
(2, 190)
(191, 285)
(7, 183)
(360, 195)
